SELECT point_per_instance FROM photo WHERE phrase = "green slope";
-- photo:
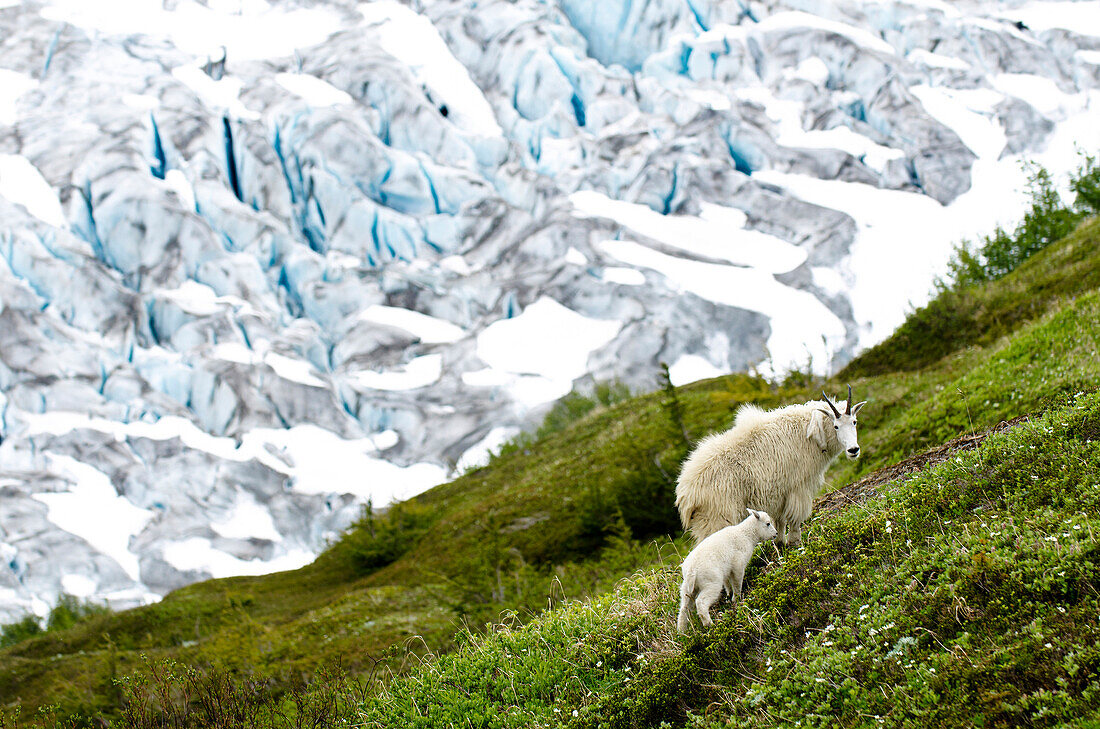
(549, 519)
(961, 594)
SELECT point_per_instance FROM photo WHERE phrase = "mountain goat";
(719, 561)
(773, 460)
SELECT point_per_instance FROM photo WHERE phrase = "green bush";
(566, 411)
(68, 611)
(576, 405)
(379, 539)
(17, 632)
(1046, 220)
(1086, 185)
(987, 291)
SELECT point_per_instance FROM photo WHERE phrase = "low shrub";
(381, 538)
(1047, 219)
(67, 612)
(19, 631)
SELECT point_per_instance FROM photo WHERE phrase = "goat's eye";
(836, 427)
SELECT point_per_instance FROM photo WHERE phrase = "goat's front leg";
(780, 529)
(794, 535)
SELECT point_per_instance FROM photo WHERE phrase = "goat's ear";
(815, 429)
(753, 513)
(856, 407)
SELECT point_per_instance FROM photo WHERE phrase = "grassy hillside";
(962, 593)
(570, 514)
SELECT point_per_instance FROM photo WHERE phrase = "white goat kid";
(770, 460)
(718, 562)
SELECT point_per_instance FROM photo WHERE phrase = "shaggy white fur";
(770, 460)
(718, 562)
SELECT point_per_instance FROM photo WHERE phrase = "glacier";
(264, 261)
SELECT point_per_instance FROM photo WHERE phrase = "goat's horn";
(836, 413)
(848, 405)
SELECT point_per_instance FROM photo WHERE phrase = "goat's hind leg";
(706, 598)
(684, 619)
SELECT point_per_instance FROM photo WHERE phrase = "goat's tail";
(687, 602)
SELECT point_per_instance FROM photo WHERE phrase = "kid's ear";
(754, 513)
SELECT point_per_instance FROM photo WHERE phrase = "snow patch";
(625, 276)
(968, 112)
(12, 85)
(709, 97)
(199, 554)
(829, 280)
(78, 586)
(141, 102)
(317, 461)
(547, 340)
(528, 390)
(295, 370)
(23, 184)
(179, 184)
(787, 116)
(1041, 93)
(691, 368)
(812, 69)
(802, 327)
(910, 235)
(456, 264)
(193, 298)
(248, 520)
(717, 232)
(315, 91)
(221, 95)
(412, 39)
(419, 372)
(478, 454)
(247, 29)
(428, 329)
(1078, 17)
(92, 510)
(936, 60)
(797, 19)
(325, 463)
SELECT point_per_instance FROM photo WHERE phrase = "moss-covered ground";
(954, 567)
